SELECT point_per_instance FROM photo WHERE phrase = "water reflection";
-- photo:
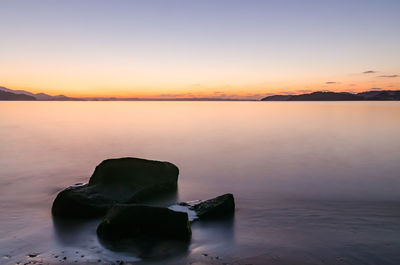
(261, 152)
(219, 232)
(147, 247)
(72, 231)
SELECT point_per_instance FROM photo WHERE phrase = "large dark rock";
(114, 181)
(134, 221)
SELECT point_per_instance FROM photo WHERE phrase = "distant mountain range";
(4, 95)
(338, 96)
(9, 94)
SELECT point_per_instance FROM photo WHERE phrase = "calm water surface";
(314, 182)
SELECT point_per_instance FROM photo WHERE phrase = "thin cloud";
(369, 72)
(330, 82)
(389, 76)
(376, 88)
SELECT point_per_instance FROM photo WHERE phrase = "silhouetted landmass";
(338, 96)
(315, 96)
(46, 97)
(13, 96)
(381, 95)
(325, 96)
(278, 98)
(38, 96)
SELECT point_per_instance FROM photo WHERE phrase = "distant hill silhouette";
(46, 97)
(38, 96)
(381, 95)
(4, 95)
(338, 96)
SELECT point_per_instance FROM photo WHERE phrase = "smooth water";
(314, 182)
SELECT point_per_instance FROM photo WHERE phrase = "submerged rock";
(122, 180)
(219, 207)
(130, 221)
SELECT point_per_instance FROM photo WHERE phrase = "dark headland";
(338, 96)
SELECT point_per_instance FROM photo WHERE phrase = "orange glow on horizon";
(250, 91)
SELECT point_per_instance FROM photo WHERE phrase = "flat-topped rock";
(121, 180)
(130, 221)
(218, 207)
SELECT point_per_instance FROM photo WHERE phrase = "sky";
(218, 48)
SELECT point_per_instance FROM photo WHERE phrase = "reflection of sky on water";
(312, 180)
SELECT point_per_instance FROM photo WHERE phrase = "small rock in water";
(219, 207)
(32, 255)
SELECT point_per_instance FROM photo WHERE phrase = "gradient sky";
(167, 48)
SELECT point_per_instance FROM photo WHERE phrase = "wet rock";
(132, 221)
(221, 206)
(122, 180)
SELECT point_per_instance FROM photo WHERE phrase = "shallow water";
(314, 182)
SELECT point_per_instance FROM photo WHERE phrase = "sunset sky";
(166, 48)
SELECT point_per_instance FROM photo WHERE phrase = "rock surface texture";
(220, 206)
(123, 180)
(130, 221)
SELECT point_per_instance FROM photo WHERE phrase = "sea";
(313, 182)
